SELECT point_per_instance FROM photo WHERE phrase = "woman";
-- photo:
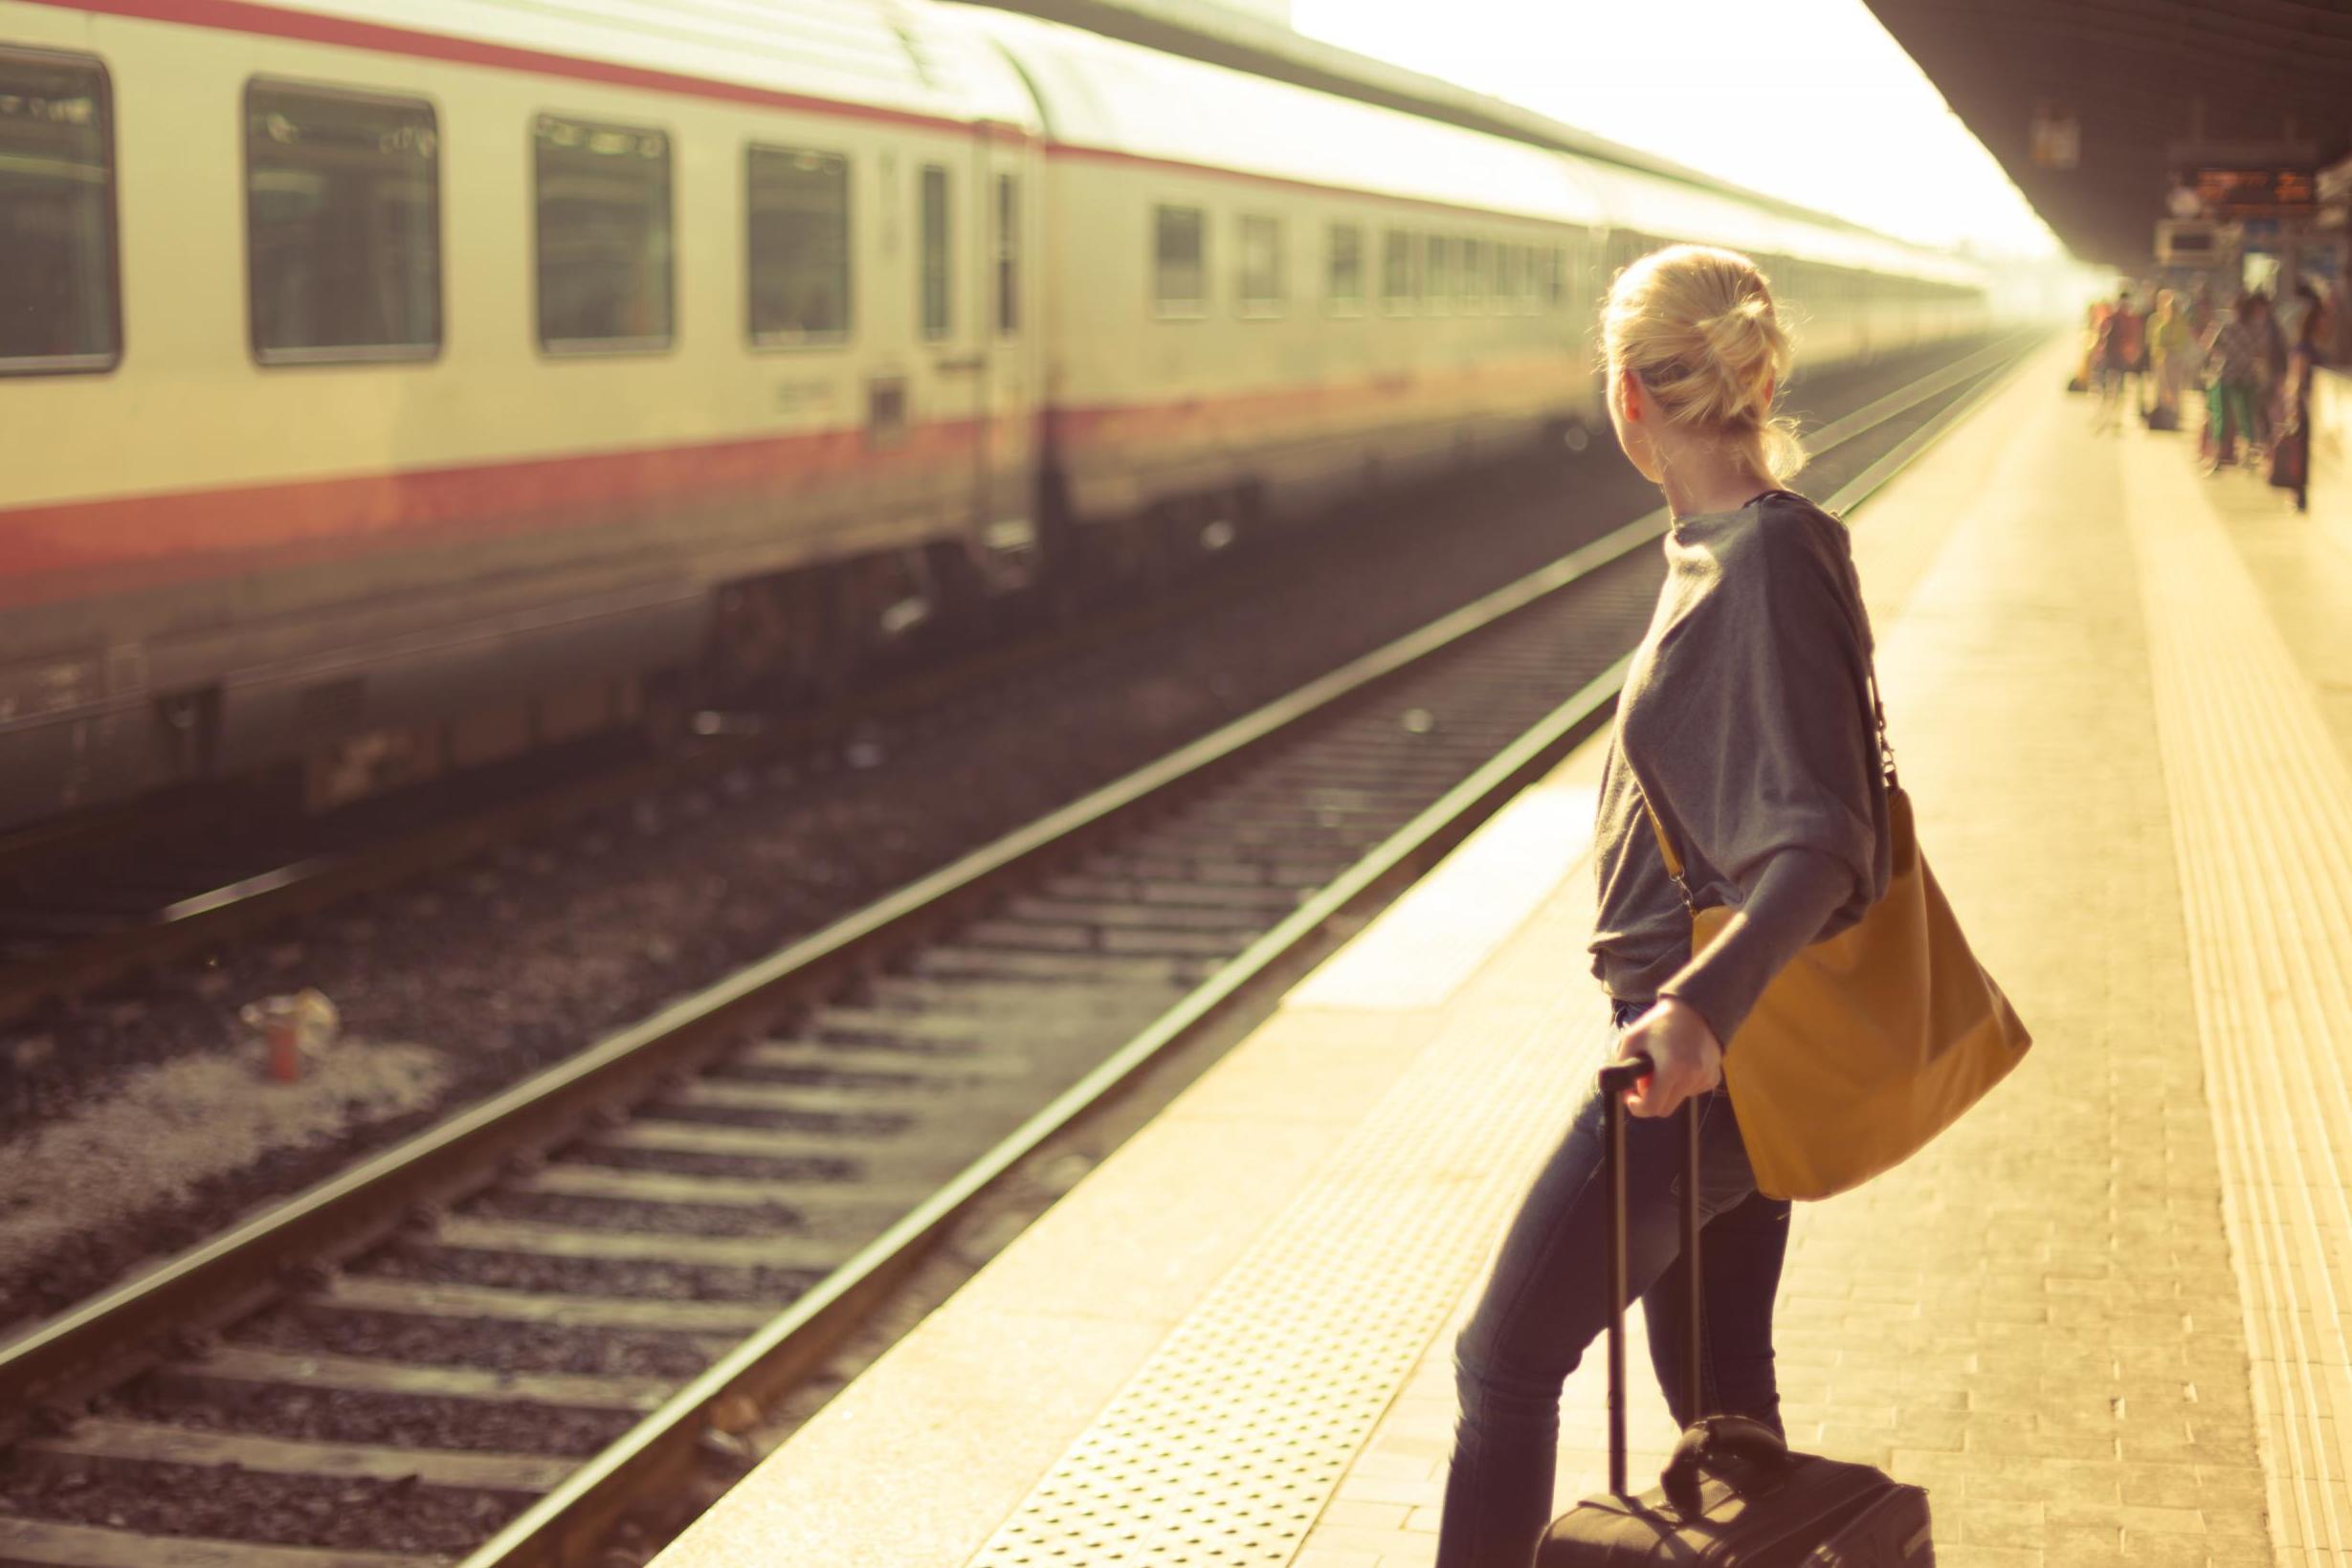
(2173, 347)
(1745, 725)
(2234, 355)
(2291, 451)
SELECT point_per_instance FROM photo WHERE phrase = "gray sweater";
(1746, 721)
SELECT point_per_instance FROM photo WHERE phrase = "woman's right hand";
(1685, 1057)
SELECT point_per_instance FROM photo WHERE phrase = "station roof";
(2136, 76)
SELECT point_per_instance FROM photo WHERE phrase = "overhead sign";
(2191, 243)
(2057, 138)
(2238, 190)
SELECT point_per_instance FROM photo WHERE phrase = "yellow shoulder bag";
(1868, 1044)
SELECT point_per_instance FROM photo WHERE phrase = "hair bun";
(1696, 325)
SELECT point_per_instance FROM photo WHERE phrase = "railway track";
(489, 1341)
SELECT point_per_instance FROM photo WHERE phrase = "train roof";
(1654, 205)
(883, 55)
(1113, 96)
(1107, 96)
(1634, 189)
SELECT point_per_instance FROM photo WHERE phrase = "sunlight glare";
(1810, 100)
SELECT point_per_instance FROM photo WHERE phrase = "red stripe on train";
(123, 544)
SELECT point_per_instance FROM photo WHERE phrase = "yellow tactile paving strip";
(1230, 1441)
(2262, 811)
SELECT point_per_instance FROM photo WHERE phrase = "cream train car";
(1265, 298)
(385, 385)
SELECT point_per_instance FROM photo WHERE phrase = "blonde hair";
(1697, 325)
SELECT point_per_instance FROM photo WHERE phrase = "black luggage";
(1733, 1496)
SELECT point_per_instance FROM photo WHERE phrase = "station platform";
(2100, 1319)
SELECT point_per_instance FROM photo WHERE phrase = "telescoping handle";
(1617, 1079)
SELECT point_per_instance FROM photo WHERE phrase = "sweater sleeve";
(1771, 756)
(1798, 889)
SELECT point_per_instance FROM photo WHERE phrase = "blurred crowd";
(2238, 371)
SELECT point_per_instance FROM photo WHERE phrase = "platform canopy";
(2118, 82)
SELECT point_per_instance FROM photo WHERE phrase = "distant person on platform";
(2234, 379)
(2272, 360)
(2291, 447)
(2172, 358)
(2201, 312)
(2114, 358)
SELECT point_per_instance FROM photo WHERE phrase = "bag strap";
(1666, 845)
(1877, 710)
(1869, 648)
(1879, 713)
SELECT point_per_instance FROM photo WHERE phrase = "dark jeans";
(1546, 1301)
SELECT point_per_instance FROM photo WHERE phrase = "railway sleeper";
(875, 1050)
(1240, 924)
(1386, 797)
(1364, 759)
(463, 1234)
(1287, 835)
(701, 1137)
(135, 1445)
(951, 1039)
(1291, 873)
(41, 1543)
(1259, 898)
(1087, 968)
(246, 1365)
(837, 1203)
(1038, 936)
(842, 1108)
(390, 1296)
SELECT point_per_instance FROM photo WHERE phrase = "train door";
(1007, 350)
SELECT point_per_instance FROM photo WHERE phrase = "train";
(391, 386)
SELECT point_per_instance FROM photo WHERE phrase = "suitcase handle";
(1710, 1442)
(1617, 1079)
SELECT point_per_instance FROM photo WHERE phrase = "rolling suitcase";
(1733, 1496)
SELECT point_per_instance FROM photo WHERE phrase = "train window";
(797, 241)
(938, 281)
(1472, 280)
(1555, 264)
(1437, 272)
(1180, 261)
(1262, 292)
(605, 252)
(1397, 286)
(1008, 255)
(1343, 269)
(342, 201)
(1510, 275)
(59, 308)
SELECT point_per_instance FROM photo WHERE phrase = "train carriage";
(388, 386)
(1267, 297)
(463, 362)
